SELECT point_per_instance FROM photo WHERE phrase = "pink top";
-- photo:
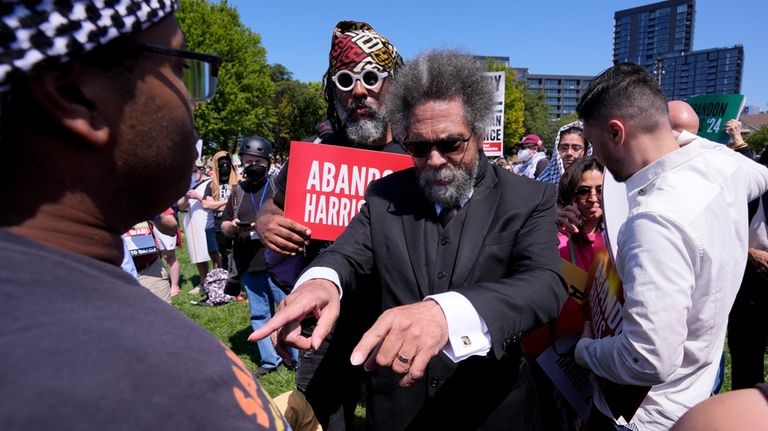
(584, 252)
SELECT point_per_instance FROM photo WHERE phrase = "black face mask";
(225, 168)
(255, 171)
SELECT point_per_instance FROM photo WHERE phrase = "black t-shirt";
(248, 251)
(86, 347)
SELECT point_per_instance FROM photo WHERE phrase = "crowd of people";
(426, 297)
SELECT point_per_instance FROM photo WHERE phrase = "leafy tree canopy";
(243, 102)
(758, 139)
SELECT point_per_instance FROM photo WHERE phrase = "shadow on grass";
(239, 344)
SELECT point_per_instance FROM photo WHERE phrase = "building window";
(571, 83)
(551, 83)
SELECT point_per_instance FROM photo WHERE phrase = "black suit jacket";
(505, 262)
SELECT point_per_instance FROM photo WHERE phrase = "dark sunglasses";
(446, 147)
(201, 71)
(371, 79)
(584, 191)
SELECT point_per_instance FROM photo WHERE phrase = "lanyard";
(261, 200)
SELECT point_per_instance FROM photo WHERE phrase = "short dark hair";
(626, 91)
(441, 75)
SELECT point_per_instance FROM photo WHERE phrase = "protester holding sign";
(460, 256)
(361, 64)
(685, 235)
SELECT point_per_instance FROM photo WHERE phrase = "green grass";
(230, 324)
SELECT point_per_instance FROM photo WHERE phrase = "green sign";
(714, 111)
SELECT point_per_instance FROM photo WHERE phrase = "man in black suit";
(462, 256)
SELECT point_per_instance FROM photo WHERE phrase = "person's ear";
(69, 97)
(617, 131)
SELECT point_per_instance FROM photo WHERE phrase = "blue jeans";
(263, 296)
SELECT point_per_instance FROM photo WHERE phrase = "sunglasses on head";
(446, 147)
(584, 191)
(371, 79)
(201, 71)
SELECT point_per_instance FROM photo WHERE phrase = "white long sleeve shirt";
(681, 256)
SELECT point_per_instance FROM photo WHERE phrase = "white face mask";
(524, 155)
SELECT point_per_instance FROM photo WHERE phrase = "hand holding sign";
(279, 233)
(733, 129)
(316, 297)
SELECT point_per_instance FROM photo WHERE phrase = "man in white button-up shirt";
(681, 251)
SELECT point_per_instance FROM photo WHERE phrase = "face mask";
(255, 171)
(524, 155)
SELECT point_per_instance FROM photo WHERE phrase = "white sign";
(493, 144)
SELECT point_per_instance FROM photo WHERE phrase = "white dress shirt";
(681, 255)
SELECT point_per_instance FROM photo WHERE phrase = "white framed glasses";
(371, 79)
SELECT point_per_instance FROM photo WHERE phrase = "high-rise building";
(659, 37)
(709, 71)
(644, 33)
(561, 92)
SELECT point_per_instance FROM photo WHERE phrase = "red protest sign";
(327, 184)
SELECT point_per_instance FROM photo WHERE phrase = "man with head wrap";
(96, 110)
(361, 64)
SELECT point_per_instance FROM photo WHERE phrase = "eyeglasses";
(371, 79)
(584, 191)
(563, 148)
(446, 147)
(201, 71)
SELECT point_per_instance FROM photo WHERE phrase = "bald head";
(683, 117)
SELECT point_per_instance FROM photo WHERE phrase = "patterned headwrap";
(356, 46)
(554, 170)
(36, 33)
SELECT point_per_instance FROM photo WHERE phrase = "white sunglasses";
(371, 79)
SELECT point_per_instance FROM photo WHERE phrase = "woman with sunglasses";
(581, 189)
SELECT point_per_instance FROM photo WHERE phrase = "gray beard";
(452, 195)
(364, 131)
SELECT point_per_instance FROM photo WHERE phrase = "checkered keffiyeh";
(554, 170)
(36, 33)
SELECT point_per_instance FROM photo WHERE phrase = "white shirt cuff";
(321, 272)
(467, 333)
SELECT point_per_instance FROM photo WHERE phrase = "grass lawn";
(231, 325)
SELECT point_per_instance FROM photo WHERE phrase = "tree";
(279, 73)
(299, 107)
(243, 102)
(758, 139)
(536, 118)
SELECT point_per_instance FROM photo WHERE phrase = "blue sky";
(546, 36)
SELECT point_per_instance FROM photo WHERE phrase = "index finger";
(283, 316)
(372, 338)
